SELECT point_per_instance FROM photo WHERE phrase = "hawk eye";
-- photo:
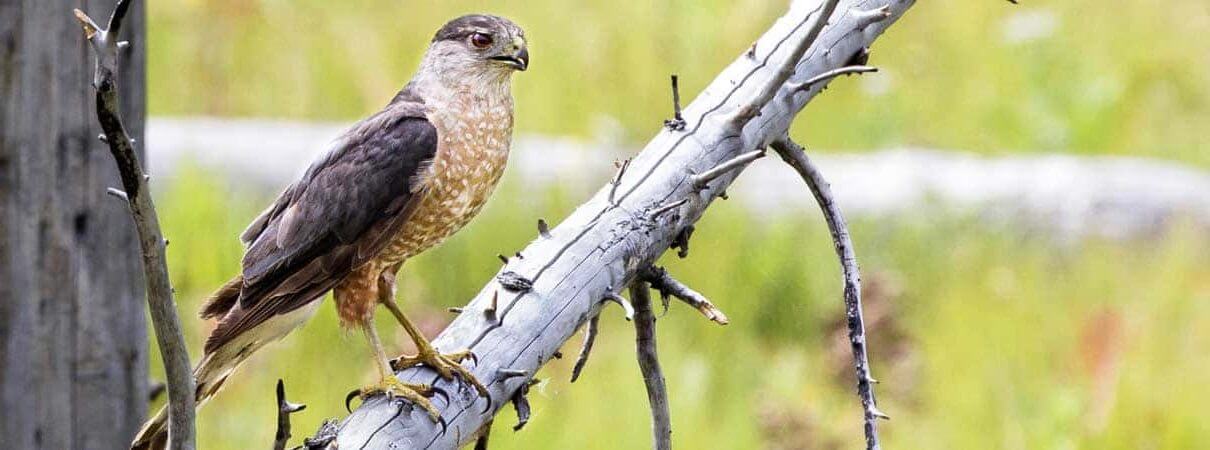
(481, 40)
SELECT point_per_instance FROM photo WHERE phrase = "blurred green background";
(983, 337)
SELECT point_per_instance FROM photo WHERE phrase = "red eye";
(480, 40)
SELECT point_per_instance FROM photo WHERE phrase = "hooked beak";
(518, 60)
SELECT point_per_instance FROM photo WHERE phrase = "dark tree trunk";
(73, 339)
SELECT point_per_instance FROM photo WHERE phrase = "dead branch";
(284, 409)
(700, 180)
(796, 157)
(105, 46)
(850, 70)
(649, 364)
(559, 285)
(590, 336)
(670, 287)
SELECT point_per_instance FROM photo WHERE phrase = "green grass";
(1130, 79)
(982, 338)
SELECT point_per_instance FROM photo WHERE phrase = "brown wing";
(340, 214)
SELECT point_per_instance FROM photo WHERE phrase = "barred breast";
(474, 139)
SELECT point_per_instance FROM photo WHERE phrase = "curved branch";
(796, 157)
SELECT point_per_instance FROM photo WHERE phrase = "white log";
(597, 250)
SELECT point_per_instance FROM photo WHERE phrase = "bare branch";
(155, 268)
(590, 337)
(668, 286)
(668, 207)
(786, 69)
(798, 87)
(649, 364)
(700, 180)
(284, 409)
(796, 157)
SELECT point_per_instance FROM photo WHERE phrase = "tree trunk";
(597, 251)
(73, 342)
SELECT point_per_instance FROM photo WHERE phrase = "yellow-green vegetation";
(1078, 76)
(982, 338)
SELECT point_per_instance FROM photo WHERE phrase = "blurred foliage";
(985, 76)
(982, 338)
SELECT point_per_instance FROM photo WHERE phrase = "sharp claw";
(434, 390)
(441, 421)
(488, 406)
(349, 398)
(472, 356)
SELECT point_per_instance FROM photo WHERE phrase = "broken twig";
(590, 336)
(284, 409)
(668, 286)
(677, 122)
(700, 180)
(521, 404)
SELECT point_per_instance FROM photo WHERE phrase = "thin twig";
(677, 122)
(284, 409)
(590, 337)
(796, 157)
(617, 179)
(621, 301)
(168, 333)
(668, 286)
(847, 70)
(668, 207)
(702, 179)
(649, 364)
(784, 71)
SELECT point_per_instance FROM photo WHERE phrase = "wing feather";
(339, 215)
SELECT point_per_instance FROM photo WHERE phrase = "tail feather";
(223, 299)
(209, 376)
(154, 434)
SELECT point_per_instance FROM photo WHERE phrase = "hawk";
(391, 187)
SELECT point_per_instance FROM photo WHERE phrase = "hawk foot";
(446, 365)
(393, 388)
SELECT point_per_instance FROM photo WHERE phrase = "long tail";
(222, 359)
(208, 376)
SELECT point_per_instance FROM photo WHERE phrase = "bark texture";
(73, 339)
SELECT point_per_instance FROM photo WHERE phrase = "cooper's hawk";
(394, 185)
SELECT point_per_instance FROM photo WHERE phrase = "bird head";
(478, 46)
